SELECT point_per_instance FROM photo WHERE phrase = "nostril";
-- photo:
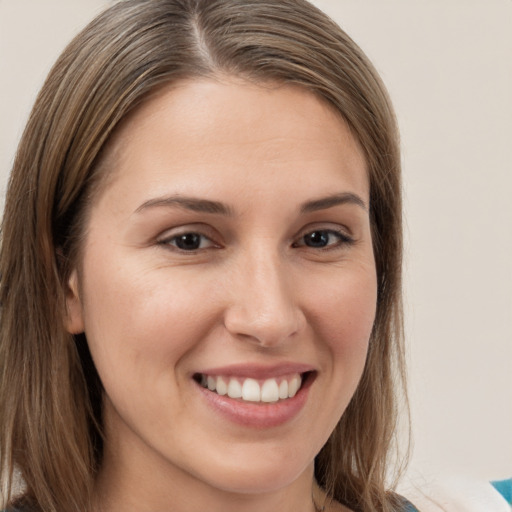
(264, 328)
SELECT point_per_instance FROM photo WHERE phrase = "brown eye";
(318, 239)
(323, 239)
(188, 241)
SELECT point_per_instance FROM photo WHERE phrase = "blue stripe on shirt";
(504, 487)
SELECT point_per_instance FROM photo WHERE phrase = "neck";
(134, 493)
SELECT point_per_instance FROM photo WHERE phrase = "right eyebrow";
(194, 204)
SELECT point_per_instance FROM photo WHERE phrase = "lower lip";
(258, 415)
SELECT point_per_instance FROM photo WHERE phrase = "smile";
(269, 390)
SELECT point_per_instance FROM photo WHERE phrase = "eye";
(323, 239)
(189, 242)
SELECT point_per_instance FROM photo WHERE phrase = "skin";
(254, 292)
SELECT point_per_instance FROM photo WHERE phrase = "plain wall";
(448, 66)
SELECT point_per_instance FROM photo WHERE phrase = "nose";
(264, 306)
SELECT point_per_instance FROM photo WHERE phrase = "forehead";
(204, 126)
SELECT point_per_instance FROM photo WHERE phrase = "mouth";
(256, 391)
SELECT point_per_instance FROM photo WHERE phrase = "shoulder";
(407, 506)
(504, 487)
(453, 494)
(16, 508)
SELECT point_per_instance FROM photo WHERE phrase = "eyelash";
(342, 240)
(173, 241)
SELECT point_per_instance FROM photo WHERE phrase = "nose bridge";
(263, 305)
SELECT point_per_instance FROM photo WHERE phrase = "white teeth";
(293, 387)
(222, 387)
(250, 390)
(283, 389)
(270, 391)
(234, 389)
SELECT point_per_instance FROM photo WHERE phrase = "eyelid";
(344, 238)
(171, 234)
(169, 241)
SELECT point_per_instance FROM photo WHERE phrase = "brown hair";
(50, 394)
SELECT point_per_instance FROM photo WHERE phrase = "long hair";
(50, 393)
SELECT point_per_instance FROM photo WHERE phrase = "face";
(227, 286)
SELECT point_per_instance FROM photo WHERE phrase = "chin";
(256, 480)
(256, 471)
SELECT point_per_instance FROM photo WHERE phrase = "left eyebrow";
(188, 203)
(324, 203)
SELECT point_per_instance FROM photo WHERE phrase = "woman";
(201, 268)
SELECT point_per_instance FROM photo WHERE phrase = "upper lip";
(258, 371)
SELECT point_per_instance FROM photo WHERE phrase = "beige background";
(448, 65)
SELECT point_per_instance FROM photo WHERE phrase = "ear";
(74, 322)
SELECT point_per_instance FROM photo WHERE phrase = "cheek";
(344, 314)
(140, 324)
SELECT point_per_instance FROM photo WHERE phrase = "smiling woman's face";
(230, 248)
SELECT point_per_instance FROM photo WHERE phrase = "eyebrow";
(218, 208)
(324, 203)
(188, 203)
